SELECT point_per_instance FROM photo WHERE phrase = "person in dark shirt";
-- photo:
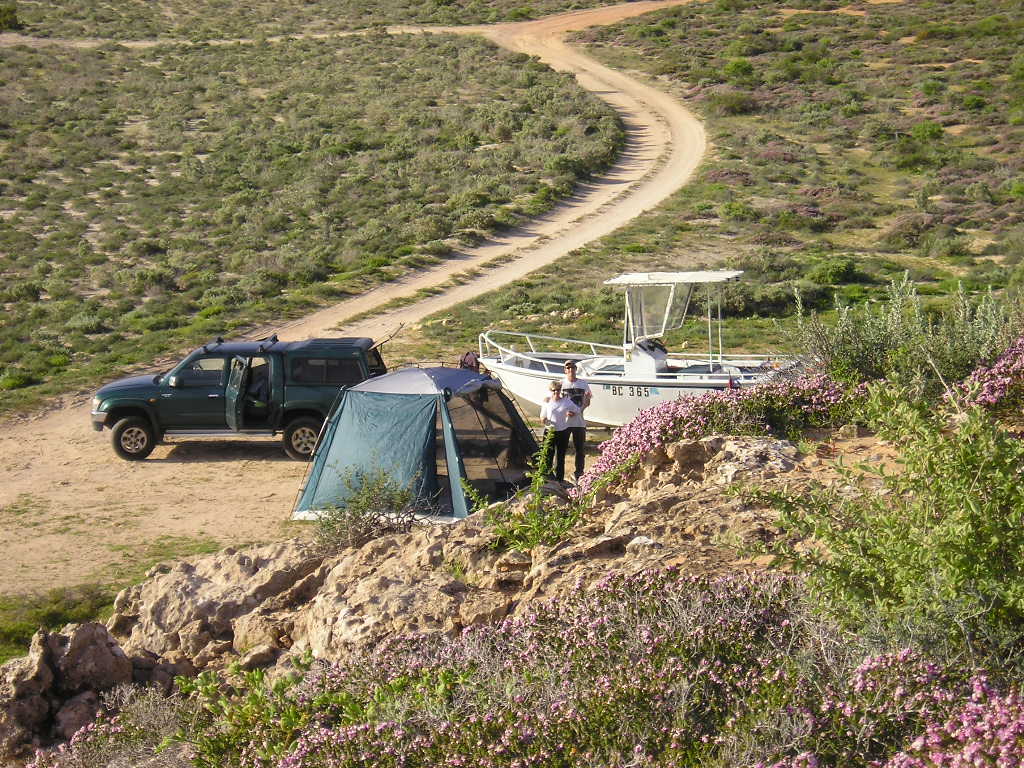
(578, 391)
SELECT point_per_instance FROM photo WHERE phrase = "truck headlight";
(96, 403)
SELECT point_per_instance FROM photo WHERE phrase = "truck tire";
(300, 437)
(133, 438)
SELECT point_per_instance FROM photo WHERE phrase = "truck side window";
(341, 372)
(203, 372)
(344, 372)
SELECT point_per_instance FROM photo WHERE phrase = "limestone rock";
(643, 543)
(76, 713)
(750, 458)
(24, 702)
(192, 603)
(260, 656)
(88, 659)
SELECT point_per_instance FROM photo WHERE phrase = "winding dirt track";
(71, 512)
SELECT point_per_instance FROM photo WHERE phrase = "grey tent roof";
(428, 381)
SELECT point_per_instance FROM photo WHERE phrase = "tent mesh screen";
(496, 448)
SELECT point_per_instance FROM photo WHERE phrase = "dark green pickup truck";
(245, 387)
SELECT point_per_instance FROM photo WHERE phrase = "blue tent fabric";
(396, 436)
(456, 469)
(428, 381)
(392, 423)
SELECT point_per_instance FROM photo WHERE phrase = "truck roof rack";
(216, 341)
(271, 340)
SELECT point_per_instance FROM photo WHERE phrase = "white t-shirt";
(577, 391)
(556, 413)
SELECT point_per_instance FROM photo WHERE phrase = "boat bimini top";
(657, 302)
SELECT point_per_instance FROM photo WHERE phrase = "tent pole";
(312, 459)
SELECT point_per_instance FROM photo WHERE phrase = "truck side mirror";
(174, 381)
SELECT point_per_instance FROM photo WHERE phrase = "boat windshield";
(652, 310)
(657, 302)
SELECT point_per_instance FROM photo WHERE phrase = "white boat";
(640, 373)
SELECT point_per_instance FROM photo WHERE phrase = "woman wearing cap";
(578, 391)
(556, 413)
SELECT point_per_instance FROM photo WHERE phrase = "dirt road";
(71, 512)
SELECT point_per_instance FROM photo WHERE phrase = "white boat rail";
(553, 362)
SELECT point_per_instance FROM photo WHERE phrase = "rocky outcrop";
(187, 608)
(262, 606)
(54, 691)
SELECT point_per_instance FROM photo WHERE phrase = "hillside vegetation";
(153, 197)
(897, 643)
(851, 147)
(211, 20)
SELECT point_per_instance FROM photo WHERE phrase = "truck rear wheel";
(133, 438)
(300, 437)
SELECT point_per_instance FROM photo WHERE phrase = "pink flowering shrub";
(986, 730)
(145, 725)
(1000, 386)
(779, 407)
(651, 669)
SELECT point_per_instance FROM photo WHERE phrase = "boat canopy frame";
(653, 307)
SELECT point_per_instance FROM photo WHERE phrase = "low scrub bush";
(9, 17)
(1000, 386)
(938, 544)
(780, 407)
(901, 340)
(532, 518)
(730, 102)
(140, 732)
(376, 505)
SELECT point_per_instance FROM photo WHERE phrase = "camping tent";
(428, 429)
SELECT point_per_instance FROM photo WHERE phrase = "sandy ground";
(72, 512)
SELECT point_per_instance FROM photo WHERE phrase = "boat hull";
(615, 402)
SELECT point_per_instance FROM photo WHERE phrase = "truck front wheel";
(300, 437)
(133, 438)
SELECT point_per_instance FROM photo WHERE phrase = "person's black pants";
(579, 439)
(579, 442)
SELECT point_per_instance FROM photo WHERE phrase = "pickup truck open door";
(234, 395)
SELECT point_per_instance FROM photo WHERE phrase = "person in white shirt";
(579, 392)
(557, 412)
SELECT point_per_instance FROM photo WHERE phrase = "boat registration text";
(623, 390)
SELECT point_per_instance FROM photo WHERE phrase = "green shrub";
(15, 380)
(899, 339)
(377, 505)
(938, 544)
(526, 521)
(739, 211)
(835, 271)
(739, 70)
(224, 713)
(730, 102)
(9, 17)
(927, 131)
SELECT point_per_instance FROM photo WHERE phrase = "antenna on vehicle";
(389, 337)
